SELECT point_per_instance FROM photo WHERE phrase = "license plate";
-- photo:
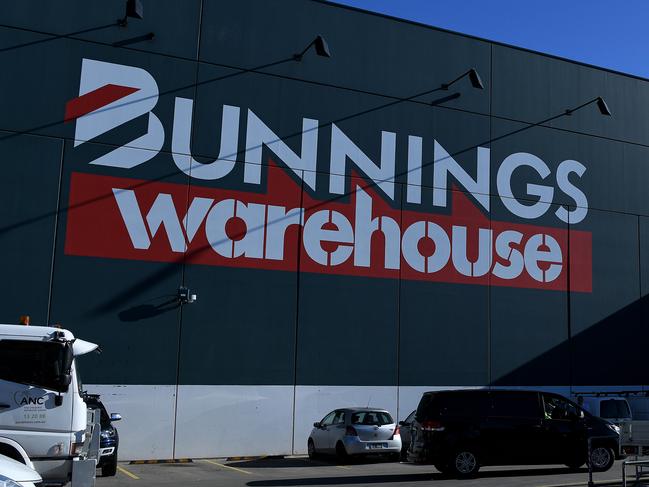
(378, 445)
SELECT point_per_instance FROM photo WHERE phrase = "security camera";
(185, 296)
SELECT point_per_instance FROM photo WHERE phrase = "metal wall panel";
(29, 208)
(285, 334)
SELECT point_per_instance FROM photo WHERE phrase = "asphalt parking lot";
(297, 471)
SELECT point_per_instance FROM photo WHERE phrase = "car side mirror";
(402, 423)
(115, 417)
(316, 424)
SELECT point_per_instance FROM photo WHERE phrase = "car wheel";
(313, 455)
(341, 453)
(465, 463)
(602, 458)
(110, 469)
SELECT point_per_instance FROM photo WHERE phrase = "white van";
(42, 413)
(612, 408)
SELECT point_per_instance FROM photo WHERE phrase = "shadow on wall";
(606, 353)
(146, 311)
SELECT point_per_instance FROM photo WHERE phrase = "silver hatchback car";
(355, 431)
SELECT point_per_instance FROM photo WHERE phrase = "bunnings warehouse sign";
(280, 223)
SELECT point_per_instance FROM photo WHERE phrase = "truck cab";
(43, 416)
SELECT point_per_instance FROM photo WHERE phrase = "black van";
(458, 431)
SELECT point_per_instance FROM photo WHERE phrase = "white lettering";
(503, 182)
(445, 164)
(342, 148)
(258, 134)
(581, 209)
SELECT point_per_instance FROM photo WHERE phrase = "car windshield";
(375, 418)
(614, 408)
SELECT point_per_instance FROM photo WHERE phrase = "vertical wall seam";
(403, 186)
(297, 311)
(639, 261)
(491, 76)
(56, 236)
(184, 263)
(569, 317)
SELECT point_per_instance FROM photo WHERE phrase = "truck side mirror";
(64, 376)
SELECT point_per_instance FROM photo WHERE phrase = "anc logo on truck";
(440, 230)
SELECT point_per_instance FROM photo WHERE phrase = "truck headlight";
(107, 434)
(7, 482)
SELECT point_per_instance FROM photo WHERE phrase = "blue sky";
(608, 33)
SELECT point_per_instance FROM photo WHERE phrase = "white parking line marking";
(126, 472)
(576, 484)
(240, 470)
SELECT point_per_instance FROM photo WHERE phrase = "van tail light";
(350, 431)
(432, 426)
(397, 432)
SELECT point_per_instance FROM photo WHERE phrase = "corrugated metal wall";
(273, 343)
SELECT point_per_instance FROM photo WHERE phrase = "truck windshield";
(614, 408)
(35, 363)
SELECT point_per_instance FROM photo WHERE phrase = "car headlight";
(613, 427)
(7, 482)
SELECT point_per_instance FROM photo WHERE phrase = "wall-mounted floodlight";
(319, 44)
(475, 80)
(134, 10)
(601, 106)
(473, 76)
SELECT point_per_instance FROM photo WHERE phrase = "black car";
(405, 426)
(109, 439)
(458, 431)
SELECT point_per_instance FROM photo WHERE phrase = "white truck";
(43, 417)
(627, 409)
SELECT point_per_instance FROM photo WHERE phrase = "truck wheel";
(109, 470)
(602, 458)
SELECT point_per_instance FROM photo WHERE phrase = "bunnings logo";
(339, 213)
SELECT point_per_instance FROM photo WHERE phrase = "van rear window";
(614, 408)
